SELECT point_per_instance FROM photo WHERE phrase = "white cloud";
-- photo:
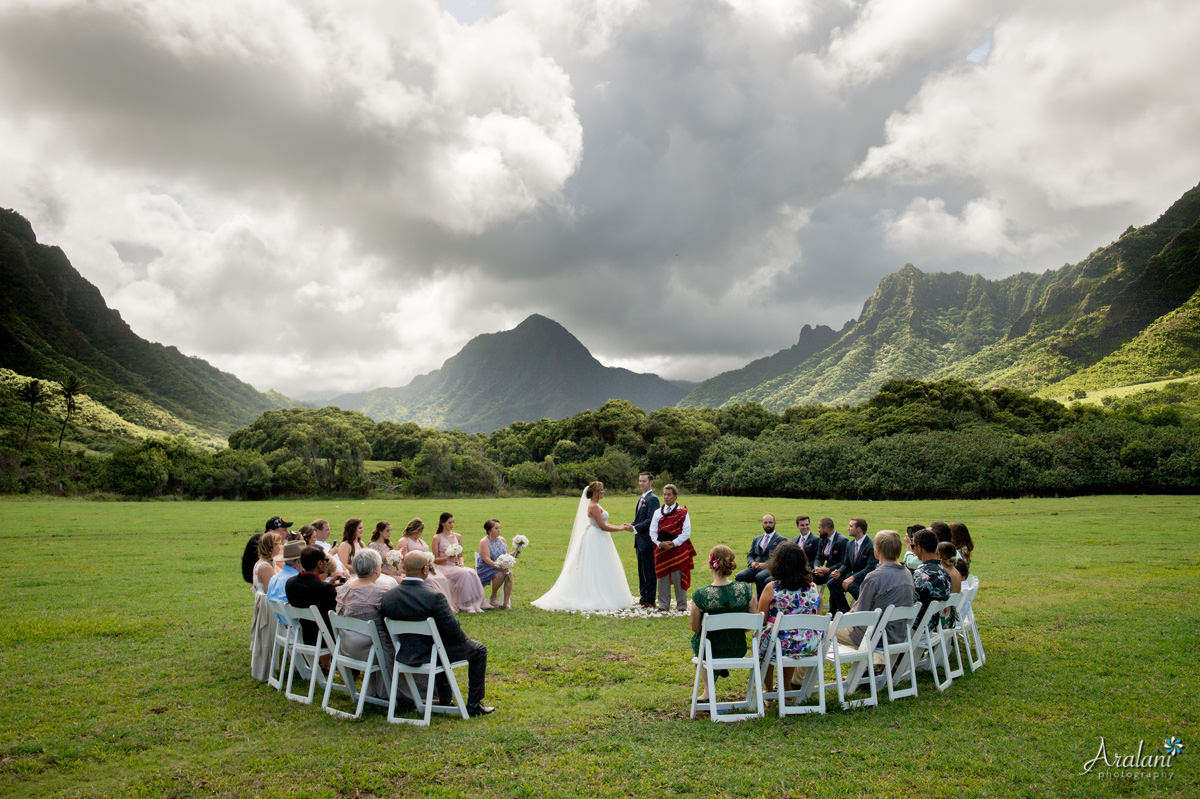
(681, 184)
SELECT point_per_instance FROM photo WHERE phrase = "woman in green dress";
(722, 596)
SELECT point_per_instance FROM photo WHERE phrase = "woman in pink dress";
(381, 542)
(411, 542)
(468, 591)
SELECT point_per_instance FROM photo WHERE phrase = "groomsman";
(859, 562)
(806, 540)
(642, 545)
(670, 530)
(831, 551)
(760, 551)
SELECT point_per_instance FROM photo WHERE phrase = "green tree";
(71, 388)
(31, 394)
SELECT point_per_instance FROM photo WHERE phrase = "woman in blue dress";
(491, 547)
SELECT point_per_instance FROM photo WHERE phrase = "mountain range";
(54, 323)
(536, 370)
(1128, 313)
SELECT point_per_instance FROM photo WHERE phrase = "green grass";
(125, 653)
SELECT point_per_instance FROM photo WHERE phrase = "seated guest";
(910, 559)
(270, 559)
(360, 598)
(858, 563)
(321, 539)
(960, 536)
(309, 589)
(250, 553)
(277, 588)
(760, 549)
(888, 584)
(464, 582)
(930, 580)
(262, 622)
(948, 555)
(415, 600)
(941, 530)
(831, 551)
(250, 558)
(791, 590)
(807, 540)
(491, 547)
(722, 596)
(306, 533)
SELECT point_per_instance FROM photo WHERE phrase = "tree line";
(913, 439)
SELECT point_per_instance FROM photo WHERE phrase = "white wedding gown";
(592, 576)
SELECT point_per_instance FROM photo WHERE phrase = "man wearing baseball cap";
(275, 523)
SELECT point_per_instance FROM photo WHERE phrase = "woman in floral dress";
(791, 590)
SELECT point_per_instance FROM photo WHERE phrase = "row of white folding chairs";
(291, 656)
(852, 666)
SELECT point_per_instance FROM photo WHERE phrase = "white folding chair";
(814, 678)
(706, 664)
(439, 663)
(929, 646)
(905, 664)
(857, 658)
(345, 665)
(950, 635)
(281, 649)
(306, 658)
(968, 629)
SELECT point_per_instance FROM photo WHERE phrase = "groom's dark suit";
(647, 581)
(415, 600)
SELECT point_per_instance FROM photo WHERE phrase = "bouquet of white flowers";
(506, 561)
(454, 550)
(395, 560)
(519, 543)
(429, 557)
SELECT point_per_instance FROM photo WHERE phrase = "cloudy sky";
(332, 195)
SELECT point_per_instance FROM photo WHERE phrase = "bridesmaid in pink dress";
(468, 591)
(411, 542)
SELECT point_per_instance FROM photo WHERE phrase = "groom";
(646, 505)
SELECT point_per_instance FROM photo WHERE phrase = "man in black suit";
(308, 588)
(831, 551)
(807, 540)
(760, 552)
(856, 565)
(646, 505)
(415, 600)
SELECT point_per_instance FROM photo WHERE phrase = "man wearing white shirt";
(671, 531)
(321, 539)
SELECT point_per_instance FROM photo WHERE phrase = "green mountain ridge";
(54, 323)
(1026, 331)
(536, 370)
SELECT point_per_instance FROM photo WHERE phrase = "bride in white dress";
(592, 576)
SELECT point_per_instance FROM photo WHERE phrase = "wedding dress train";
(592, 576)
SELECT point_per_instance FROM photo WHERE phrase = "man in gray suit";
(415, 600)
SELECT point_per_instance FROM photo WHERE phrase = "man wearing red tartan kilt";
(671, 531)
